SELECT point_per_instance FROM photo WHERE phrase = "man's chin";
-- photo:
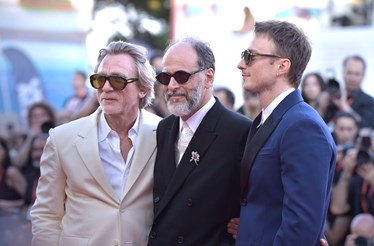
(178, 109)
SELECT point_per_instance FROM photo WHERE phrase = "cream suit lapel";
(146, 146)
(88, 149)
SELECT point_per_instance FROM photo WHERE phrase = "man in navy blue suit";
(289, 159)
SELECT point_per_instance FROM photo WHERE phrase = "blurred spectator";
(158, 105)
(36, 153)
(74, 103)
(345, 136)
(41, 117)
(312, 89)
(354, 192)
(251, 106)
(312, 85)
(352, 98)
(12, 182)
(89, 106)
(225, 96)
(14, 138)
(345, 131)
(362, 231)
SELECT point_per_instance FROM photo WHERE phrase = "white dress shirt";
(194, 121)
(269, 109)
(115, 167)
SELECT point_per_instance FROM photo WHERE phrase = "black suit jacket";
(363, 104)
(194, 202)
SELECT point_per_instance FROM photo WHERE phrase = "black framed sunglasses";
(180, 76)
(117, 82)
(248, 55)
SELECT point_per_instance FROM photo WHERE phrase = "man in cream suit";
(97, 172)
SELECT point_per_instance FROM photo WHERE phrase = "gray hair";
(205, 56)
(146, 73)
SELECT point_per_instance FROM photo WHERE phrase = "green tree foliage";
(157, 10)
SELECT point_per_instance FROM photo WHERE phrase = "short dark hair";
(81, 73)
(354, 57)
(345, 114)
(6, 162)
(229, 94)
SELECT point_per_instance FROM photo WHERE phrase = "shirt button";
(153, 234)
(244, 202)
(189, 202)
(180, 240)
(156, 199)
(115, 243)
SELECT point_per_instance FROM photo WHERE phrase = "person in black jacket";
(196, 190)
(352, 98)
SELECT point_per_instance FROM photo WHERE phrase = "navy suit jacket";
(193, 203)
(287, 190)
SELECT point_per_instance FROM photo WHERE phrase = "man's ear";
(142, 93)
(209, 77)
(284, 67)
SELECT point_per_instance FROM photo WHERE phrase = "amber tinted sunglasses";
(117, 82)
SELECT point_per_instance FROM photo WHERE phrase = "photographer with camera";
(362, 231)
(351, 98)
(41, 117)
(345, 135)
(354, 192)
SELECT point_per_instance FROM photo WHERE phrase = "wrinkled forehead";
(181, 55)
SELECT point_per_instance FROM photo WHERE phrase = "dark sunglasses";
(180, 76)
(248, 55)
(117, 82)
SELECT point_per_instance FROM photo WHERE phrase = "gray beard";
(193, 99)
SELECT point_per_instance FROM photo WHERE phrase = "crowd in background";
(344, 106)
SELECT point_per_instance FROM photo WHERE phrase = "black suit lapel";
(254, 127)
(169, 166)
(255, 141)
(200, 142)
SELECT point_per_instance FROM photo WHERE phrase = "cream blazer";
(76, 204)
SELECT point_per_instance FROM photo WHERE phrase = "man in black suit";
(196, 190)
(352, 98)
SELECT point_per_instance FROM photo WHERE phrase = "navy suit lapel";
(200, 142)
(253, 145)
(258, 137)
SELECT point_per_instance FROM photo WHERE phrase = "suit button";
(180, 240)
(189, 203)
(156, 199)
(153, 234)
(244, 202)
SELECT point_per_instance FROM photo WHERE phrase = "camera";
(343, 148)
(364, 145)
(46, 126)
(363, 241)
(333, 87)
(363, 157)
